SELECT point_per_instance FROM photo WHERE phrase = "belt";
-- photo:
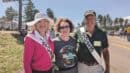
(64, 69)
(89, 63)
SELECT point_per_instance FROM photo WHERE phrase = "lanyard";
(49, 50)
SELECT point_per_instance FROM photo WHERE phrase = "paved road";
(119, 55)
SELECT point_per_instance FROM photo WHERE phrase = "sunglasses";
(63, 27)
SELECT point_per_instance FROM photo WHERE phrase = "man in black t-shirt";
(98, 38)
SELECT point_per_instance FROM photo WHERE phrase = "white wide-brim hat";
(38, 17)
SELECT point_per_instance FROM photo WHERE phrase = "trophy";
(80, 35)
(83, 38)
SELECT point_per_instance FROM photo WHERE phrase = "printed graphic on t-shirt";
(68, 56)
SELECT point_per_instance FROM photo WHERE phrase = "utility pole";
(20, 15)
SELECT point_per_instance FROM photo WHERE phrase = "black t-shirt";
(65, 53)
(99, 41)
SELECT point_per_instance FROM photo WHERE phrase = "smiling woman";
(65, 47)
(38, 47)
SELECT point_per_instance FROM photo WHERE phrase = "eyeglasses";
(63, 27)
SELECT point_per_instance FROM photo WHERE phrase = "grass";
(11, 49)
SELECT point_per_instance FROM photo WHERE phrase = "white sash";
(91, 49)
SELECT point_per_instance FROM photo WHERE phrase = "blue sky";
(74, 9)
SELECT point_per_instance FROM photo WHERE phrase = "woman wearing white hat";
(38, 48)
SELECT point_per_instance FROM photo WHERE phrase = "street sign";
(8, 0)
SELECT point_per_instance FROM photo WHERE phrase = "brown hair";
(64, 20)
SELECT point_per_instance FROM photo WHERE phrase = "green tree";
(108, 20)
(50, 13)
(100, 18)
(125, 22)
(116, 21)
(104, 22)
(121, 20)
(30, 11)
(10, 13)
